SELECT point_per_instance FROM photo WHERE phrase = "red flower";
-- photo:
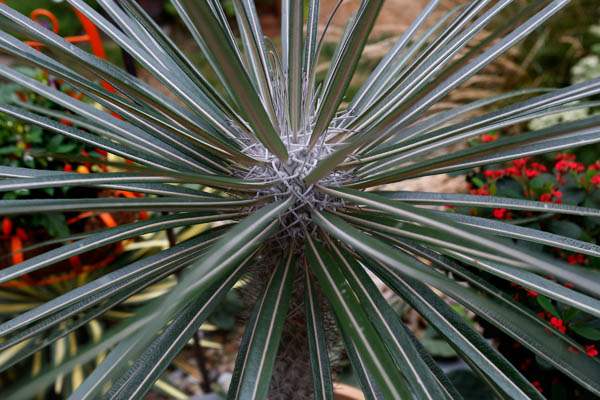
(22, 234)
(554, 196)
(591, 350)
(595, 180)
(595, 166)
(531, 173)
(501, 213)
(493, 173)
(68, 168)
(565, 156)
(532, 293)
(520, 162)
(6, 226)
(576, 259)
(558, 324)
(489, 137)
(572, 259)
(538, 386)
(563, 166)
(539, 167)
(513, 171)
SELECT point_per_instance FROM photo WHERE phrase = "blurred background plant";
(567, 52)
(21, 237)
(560, 179)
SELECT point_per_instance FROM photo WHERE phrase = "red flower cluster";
(519, 167)
(548, 190)
(591, 350)
(8, 231)
(565, 157)
(532, 293)
(558, 324)
(501, 213)
(576, 259)
(565, 162)
(555, 196)
(494, 173)
(564, 166)
(6, 227)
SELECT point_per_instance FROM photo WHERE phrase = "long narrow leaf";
(341, 71)
(583, 369)
(256, 357)
(317, 342)
(354, 321)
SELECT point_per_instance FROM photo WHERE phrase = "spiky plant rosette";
(294, 173)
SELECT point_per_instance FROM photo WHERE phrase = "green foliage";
(562, 43)
(563, 180)
(69, 24)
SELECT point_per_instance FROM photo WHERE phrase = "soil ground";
(395, 15)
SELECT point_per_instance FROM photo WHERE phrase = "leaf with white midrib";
(520, 324)
(238, 243)
(138, 380)
(317, 341)
(509, 203)
(391, 330)
(353, 320)
(102, 238)
(256, 357)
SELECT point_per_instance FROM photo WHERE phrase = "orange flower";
(6, 226)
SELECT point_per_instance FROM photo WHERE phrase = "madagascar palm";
(294, 169)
